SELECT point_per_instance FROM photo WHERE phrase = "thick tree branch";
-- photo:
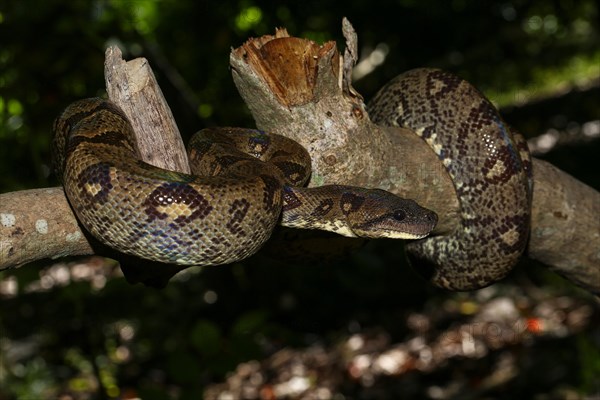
(37, 224)
(302, 90)
(331, 122)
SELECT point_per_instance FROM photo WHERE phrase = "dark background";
(537, 60)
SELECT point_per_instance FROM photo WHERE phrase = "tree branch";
(302, 90)
(347, 148)
(132, 86)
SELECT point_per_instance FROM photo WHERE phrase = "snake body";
(490, 167)
(244, 182)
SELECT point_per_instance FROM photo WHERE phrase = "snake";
(490, 167)
(243, 183)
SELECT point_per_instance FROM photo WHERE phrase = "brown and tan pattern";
(244, 183)
(489, 164)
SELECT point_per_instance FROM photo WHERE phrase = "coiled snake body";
(489, 164)
(245, 182)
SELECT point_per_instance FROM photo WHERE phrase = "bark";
(328, 117)
(37, 224)
(133, 87)
(303, 90)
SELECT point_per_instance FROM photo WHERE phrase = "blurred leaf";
(183, 367)
(154, 393)
(205, 336)
(250, 322)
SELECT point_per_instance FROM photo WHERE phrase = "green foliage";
(590, 364)
(206, 337)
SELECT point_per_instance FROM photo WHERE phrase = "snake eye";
(399, 215)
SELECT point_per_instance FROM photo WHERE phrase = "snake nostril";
(399, 215)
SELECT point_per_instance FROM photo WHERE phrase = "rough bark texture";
(132, 86)
(302, 90)
(333, 125)
(36, 224)
(565, 226)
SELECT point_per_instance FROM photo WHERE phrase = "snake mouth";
(405, 236)
(399, 225)
(376, 234)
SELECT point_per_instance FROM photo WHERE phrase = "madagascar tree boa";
(244, 182)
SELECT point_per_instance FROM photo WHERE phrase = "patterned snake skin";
(490, 167)
(244, 183)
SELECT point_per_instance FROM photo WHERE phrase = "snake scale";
(244, 182)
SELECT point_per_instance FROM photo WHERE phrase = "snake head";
(383, 214)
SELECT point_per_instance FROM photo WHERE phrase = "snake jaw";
(417, 226)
